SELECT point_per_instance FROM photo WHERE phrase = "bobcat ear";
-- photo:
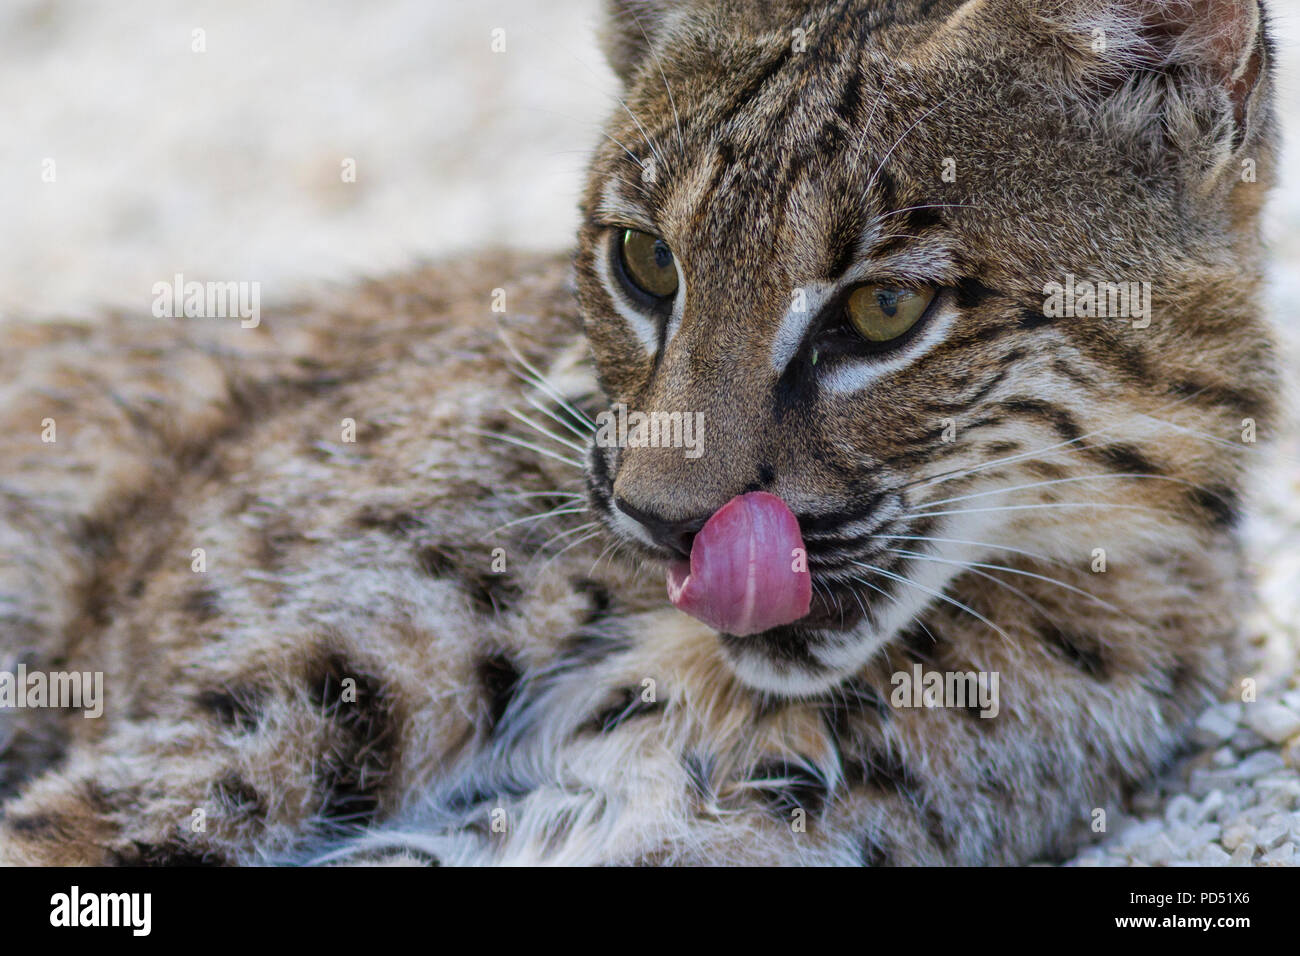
(1211, 53)
(630, 27)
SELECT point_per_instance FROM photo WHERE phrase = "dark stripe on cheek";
(1205, 393)
(1061, 421)
(1125, 458)
(166, 854)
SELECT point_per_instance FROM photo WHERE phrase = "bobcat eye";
(648, 264)
(881, 313)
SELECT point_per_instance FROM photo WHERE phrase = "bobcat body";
(362, 583)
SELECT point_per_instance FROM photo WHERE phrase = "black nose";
(676, 536)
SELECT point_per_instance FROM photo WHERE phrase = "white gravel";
(225, 165)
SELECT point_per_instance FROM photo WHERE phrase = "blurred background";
(141, 138)
(226, 164)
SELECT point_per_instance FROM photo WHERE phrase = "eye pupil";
(648, 266)
(882, 313)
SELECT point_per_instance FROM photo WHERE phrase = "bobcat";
(945, 567)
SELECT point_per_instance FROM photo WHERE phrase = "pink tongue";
(742, 576)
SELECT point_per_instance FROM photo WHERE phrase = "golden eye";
(881, 313)
(648, 263)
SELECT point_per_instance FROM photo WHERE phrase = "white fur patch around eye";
(806, 301)
(643, 325)
(854, 376)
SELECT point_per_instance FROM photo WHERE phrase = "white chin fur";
(754, 671)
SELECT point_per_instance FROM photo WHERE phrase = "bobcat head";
(938, 281)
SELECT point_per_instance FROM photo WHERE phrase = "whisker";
(541, 382)
(933, 205)
(1053, 504)
(1002, 567)
(913, 619)
(545, 431)
(881, 165)
(973, 469)
(677, 120)
(613, 546)
(1036, 453)
(595, 126)
(561, 535)
(982, 544)
(1223, 442)
(561, 510)
(556, 418)
(546, 494)
(1013, 589)
(866, 126)
(572, 544)
(1058, 481)
(933, 593)
(511, 440)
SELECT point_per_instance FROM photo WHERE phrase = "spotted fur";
(355, 676)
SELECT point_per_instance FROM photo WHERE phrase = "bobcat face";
(828, 232)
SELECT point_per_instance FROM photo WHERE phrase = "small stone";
(1279, 794)
(1245, 740)
(1206, 833)
(1284, 855)
(1224, 757)
(1142, 831)
(1244, 855)
(1258, 764)
(1216, 725)
(1291, 752)
(1180, 809)
(1238, 835)
(1212, 855)
(1272, 721)
(1208, 808)
(1202, 782)
(1275, 831)
(1181, 839)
